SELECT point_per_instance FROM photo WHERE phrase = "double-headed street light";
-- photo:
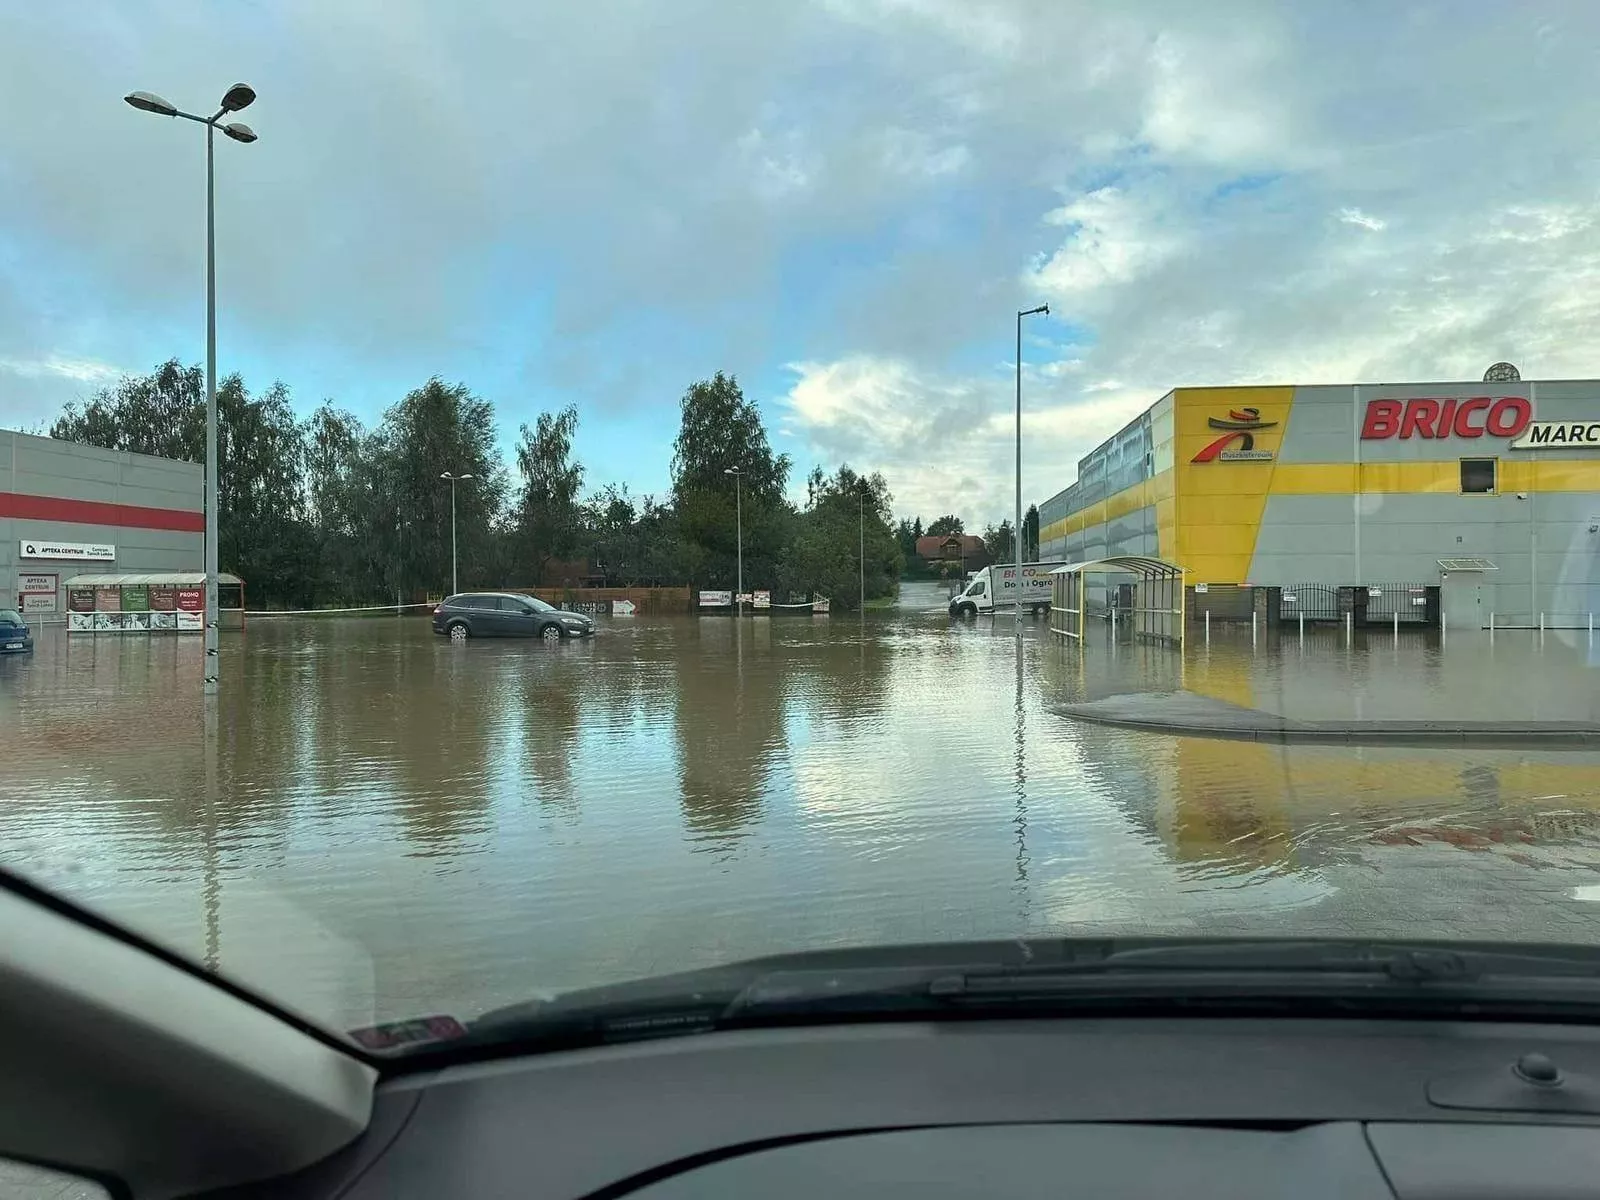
(455, 582)
(1016, 528)
(738, 526)
(239, 96)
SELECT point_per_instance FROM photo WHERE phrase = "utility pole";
(1016, 527)
(738, 528)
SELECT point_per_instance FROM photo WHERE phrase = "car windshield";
(765, 342)
(10, 616)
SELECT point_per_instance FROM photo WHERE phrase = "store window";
(1478, 475)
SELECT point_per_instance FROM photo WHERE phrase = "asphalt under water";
(389, 824)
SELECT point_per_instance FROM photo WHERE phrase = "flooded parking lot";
(387, 823)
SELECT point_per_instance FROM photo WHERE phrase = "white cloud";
(78, 370)
(1354, 216)
(947, 444)
(1113, 238)
(868, 188)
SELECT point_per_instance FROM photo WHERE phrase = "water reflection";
(729, 725)
(390, 823)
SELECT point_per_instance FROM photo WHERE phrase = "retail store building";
(1458, 501)
(68, 510)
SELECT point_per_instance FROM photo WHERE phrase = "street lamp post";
(738, 526)
(239, 96)
(455, 581)
(1016, 526)
(861, 542)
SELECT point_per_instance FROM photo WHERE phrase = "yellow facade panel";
(1205, 540)
(1211, 568)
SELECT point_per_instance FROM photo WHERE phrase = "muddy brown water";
(389, 824)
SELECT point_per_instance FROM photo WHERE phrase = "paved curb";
(1265, 727)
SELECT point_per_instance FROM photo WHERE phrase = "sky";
(842, 202)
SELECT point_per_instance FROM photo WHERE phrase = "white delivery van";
(995, 587)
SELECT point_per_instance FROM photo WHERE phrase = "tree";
(999, 542)
(359, 531)
(1030, 534)
(611, 532)
(905, 534)
(437, 428)
(262, 528)
(843, 511)
(548, 519)
(721, 431)
(946, 525)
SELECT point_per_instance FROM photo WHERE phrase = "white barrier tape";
(306, 612)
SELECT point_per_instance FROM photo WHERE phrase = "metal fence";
(1380, 603)
(1312, 601)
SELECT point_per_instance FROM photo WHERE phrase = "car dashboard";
(1194, 1107)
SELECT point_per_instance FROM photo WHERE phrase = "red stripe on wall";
(95, 512)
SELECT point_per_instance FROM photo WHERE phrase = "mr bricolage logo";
(1241, 425)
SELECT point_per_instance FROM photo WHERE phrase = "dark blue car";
(15, 636)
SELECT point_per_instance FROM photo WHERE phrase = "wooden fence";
(661, 601)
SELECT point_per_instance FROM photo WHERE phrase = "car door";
(483, 615)
(519, 618)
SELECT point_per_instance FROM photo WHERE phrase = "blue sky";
(843, 202)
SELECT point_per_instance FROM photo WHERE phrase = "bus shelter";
(1156, 611)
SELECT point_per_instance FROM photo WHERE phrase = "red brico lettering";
(1446, 416)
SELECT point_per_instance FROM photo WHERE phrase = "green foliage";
(1030, 534)
(721, 433)
(946, 525)
(548, 516)
(846, 514)
(1000, 544)
(906, 537)
(324, 511)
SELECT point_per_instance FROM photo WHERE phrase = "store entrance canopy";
(1158, 604)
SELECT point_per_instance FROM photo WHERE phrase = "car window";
(482, 602)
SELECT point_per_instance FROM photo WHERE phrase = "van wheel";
(459, 631)
(967, 611)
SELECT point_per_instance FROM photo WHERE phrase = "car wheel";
(459, 631)
(551, 633)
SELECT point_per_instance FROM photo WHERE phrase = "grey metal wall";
(1546, 547)
(35, 466)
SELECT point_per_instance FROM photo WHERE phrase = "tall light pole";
(861, 539)
(1016, 525)
(239, 96)
(455, 582)
(738, 526)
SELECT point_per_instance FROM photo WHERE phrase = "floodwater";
(387, 823)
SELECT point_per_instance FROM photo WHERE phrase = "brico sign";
(1508, 417)
(1446, 416)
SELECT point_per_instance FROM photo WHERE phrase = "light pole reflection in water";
(1021, 819)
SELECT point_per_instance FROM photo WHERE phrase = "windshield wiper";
(1061, 977)
(1190, 974)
